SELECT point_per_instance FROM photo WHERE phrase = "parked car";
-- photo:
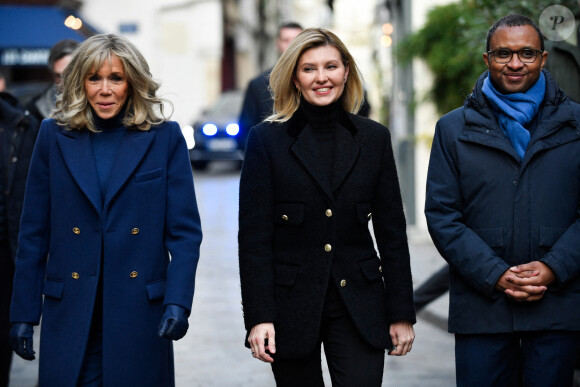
(216, 132)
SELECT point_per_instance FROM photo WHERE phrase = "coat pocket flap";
(550, 235)
(492, 236)
(285, 274)
(289, 213)
(363, 212)
(53, 288)
(371, 268)
(156, 290)
(150, 175)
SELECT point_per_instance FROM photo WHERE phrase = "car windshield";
(229, 104)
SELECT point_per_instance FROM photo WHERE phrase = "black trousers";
(6, 277)
(351, 360)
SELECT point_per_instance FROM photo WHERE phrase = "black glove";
(174, 322)
(21, 340)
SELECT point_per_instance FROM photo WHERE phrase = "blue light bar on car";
(233, 129)
(209, 129)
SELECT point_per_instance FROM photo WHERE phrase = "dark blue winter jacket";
(487, 211)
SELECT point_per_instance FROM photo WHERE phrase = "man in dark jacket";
(18, 130)
(60, 54)
(503, 189)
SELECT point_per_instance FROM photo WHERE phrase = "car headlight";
(209, 129)
(187, 131)
(233, 129)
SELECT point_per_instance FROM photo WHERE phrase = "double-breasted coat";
(143, 235)
(300, 230)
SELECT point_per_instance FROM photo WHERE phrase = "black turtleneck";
(105, 144)
(324, 122)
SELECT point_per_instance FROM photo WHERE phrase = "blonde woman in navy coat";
(109, 199)
(314, 176)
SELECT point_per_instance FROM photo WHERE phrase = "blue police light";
(233, 129)
(209, 129)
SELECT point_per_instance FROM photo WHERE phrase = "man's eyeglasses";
(503, 55)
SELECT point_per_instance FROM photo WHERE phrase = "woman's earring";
(299, 93)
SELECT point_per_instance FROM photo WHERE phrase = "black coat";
(258, 103)
(18, 136)
(299, 230)
(487, 211)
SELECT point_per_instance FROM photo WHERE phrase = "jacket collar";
(305, 149)
(554, 95)
(298, 122)
(77, 152)
(481, 123)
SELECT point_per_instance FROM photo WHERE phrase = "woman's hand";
(402, 336)
(262, 339)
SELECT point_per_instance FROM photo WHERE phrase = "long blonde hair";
(284, 92)
(143, 108)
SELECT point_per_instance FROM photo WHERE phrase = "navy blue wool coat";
(302, 231)
(487, 211)
(148, 212)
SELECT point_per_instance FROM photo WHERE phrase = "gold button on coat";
(380, 269)
(329, 212)
(76, 230)
(75, 275)
(135, 231)
(327, 247)
(342, 283)
(133, 274)
(284, 217)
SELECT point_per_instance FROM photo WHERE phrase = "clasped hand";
(527, 282)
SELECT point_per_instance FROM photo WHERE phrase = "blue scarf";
(515, 110)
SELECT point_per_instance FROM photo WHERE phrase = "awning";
(27, 33)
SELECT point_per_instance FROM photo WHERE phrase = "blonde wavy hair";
(283, 89)
(142, 108)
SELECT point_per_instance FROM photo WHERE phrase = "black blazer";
(300, 229)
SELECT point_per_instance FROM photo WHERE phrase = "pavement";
(212, 353)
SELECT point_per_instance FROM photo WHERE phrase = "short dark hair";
(292, 25)
(61, 49)
(514, 20)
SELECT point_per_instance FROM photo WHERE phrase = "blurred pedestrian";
(434, 287)
(59, 56)
(104, 210)
(258, 102)
(18, 130)
(314, 175)
(502, 208)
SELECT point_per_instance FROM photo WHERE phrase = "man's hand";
(526, 282)
(543, 275)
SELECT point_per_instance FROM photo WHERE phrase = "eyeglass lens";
(505, 55)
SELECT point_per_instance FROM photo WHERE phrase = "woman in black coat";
(314, 175)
